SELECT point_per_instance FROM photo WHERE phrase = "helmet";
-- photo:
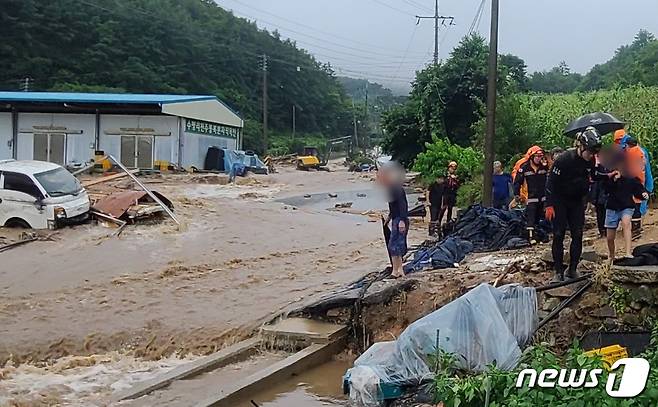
(590, 140)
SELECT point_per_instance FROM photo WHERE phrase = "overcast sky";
(380, 40)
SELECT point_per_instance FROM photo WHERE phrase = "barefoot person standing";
(391, 177)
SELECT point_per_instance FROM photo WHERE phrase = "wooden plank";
(108, 178)
(301, 361)
(226, 356)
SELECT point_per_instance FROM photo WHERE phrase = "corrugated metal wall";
(79, 143)
(165, 147)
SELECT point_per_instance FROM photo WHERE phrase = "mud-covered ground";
(240, 257)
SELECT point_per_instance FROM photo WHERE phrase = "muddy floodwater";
(318, 387)
(369, 199)
(241, 257)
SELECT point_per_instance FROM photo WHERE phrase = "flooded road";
(158, 290)
(363, 200)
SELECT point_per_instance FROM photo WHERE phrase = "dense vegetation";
(497, 388)
(445, 112)
(527, 119)
(448, 99)
(174, 46)
(632, 64)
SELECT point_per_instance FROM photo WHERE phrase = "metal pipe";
(562, 283)
(16, 244)
(148, 191)
(564, 304)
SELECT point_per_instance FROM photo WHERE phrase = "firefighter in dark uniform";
(533, 173)
(567, 187)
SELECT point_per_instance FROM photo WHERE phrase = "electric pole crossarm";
(437, 19)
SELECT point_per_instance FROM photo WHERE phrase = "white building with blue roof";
(69, 128)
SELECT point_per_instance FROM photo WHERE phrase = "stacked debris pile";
(484, 326)
(478, 230)
(131, 206)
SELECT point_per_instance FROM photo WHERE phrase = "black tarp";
(478, 230)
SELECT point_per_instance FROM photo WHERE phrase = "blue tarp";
(446, 254)
(239, 159)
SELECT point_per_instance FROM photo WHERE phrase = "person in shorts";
(622, 190)
(391, 177)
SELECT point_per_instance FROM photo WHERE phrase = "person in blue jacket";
(502, 187)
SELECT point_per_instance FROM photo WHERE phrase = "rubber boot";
(434, 229)
(531, 236)
(572, 273)
(559, 275)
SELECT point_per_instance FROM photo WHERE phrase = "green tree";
(168, 46)
(632, 64)
(448, 99)
(559, 79)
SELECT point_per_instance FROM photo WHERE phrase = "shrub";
(497, 388)
(438, 154)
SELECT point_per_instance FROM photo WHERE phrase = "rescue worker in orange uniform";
(533, 174)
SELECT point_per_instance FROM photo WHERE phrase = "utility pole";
(265, 145)
(294, 122)
(366, 121)
(437, 18)
(356, 134)
(26, 84)
(491, 107)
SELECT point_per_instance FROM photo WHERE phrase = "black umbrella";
(603, 122)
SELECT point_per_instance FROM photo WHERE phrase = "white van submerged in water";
(40, 195)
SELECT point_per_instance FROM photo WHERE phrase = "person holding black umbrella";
(567, 187)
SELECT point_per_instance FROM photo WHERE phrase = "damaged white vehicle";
(40, 195)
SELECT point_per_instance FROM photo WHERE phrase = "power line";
(382, 3)
(411, 40)
(378, 54)
(478, 17)
(311, 27)
(437, 18)
(416, 4)
(312, 64)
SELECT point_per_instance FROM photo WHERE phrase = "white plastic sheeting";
(486, 325)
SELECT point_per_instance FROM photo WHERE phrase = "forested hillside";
(175, 46)
(358, 88)
(633, 64)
